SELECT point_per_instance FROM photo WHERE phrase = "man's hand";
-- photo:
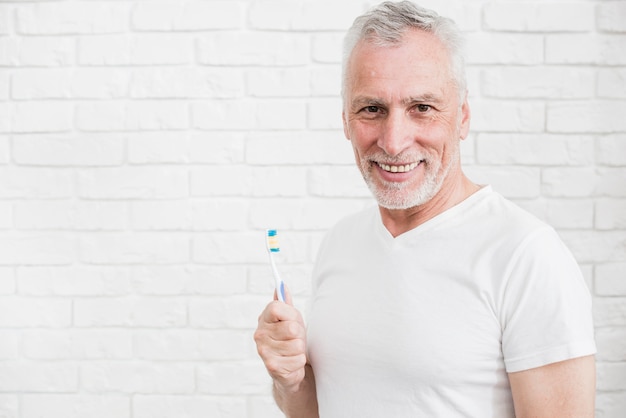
(281, 343)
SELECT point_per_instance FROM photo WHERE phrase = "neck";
(399, 221)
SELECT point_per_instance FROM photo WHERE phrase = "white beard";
(399, 195)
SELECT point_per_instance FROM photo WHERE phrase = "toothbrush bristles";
(272, 241)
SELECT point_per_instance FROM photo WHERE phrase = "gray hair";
(385, 25)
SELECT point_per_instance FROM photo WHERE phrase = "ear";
(346, 131)
(466, 115)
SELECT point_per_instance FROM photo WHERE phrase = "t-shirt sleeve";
(546, 311)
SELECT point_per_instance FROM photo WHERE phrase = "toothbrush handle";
(280, 285)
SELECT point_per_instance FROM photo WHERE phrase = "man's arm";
(281, 343)
(301, 403)
(565, 389)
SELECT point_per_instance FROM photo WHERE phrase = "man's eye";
(423, 108)
(372, 109)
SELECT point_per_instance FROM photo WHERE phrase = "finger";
(277, 311)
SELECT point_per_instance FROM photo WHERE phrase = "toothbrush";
(271, 241)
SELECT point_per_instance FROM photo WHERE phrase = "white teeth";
(398, 168)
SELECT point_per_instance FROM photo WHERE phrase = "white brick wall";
(145, 145)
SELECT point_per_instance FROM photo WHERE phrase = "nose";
(395, 135)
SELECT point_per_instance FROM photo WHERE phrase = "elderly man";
(446, 300)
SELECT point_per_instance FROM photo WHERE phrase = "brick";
(325, 114)
(307, 15)
(137, 378)
(612, 83)
(6, 117)
(585, 116)
(282, 82)
(539, 17)
(611, 344)
(505, 116)
(611, 150)
(77, 344)
(51, 83)
(130, 312)
(243, 311)
(5, 19)
(83, 149)
(219, 215)
(9, 347)
(609, 312)
(504, 48)
(259, 115)
(325, 80)
(297, 278)
(253, 48)
(526, 149)
(186, 83)
(73, 281)
(188, 406)
(309, 214)
(144, 49)
(37, 377)
(563, 214)
(610, 17)
(217, 147)
(75, 406)
(5, 151)
(595, 246)
(42, 183)
(188, 16)
(192, 280)
(5, 84)
(158, 147)
(108, 216)
(512, 182)
(133, 183)
(610, 404)
(229, 248)
(49, 51)
(41, 117)
(132, 116)
(192, 345)
(239, 378)
(610, 279)
(611, 182)
(610, 214)
(326, 48)
(611, 376)
(248, 181)
(569, 181)
(23, 312)
(300, 148)
(136, 248)
(338, 181)
(161, 215)
(72, 18)
(538, 82)
(55, 248)
(600, 49)
(6, 215)
(263, 407)
(50, 215)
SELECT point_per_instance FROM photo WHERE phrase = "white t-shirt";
(428, 324)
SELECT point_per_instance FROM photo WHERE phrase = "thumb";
(287, 294)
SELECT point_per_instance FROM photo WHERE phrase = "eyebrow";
(374, 101)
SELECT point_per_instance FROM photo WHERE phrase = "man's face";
(403, 115)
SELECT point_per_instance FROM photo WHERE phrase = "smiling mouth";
(405, 168)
